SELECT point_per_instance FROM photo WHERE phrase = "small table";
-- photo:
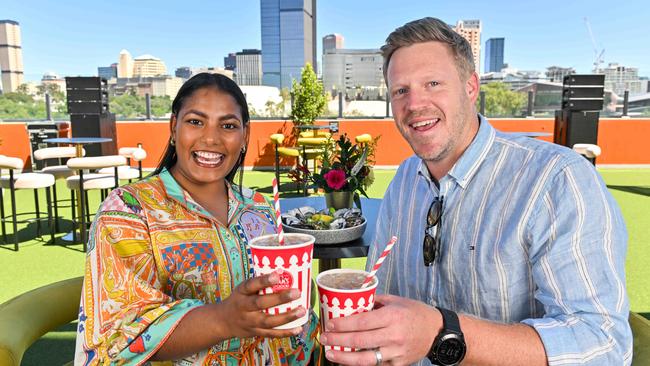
(78, 142)
(332, 127)
(330, 255)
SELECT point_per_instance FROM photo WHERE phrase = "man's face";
(433, 105)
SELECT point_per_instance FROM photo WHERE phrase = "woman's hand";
(242, 311)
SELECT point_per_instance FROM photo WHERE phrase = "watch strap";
(450, 320)
(450, 325)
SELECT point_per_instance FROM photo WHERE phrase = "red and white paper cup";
(293, 262)
(338, 303)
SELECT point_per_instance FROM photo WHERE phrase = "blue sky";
(73, 37)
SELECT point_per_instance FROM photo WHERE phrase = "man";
(511, 251)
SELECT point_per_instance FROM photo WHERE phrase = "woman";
(167, 273)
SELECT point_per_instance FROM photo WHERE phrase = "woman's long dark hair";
(221, 83)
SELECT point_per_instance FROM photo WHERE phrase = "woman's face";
(209, 135)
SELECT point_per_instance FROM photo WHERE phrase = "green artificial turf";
(36, 264)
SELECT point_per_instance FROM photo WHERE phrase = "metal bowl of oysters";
(327, 226)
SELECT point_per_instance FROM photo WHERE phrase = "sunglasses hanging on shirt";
(431, 244)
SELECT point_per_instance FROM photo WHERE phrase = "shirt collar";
(175, 191)
(468, 163)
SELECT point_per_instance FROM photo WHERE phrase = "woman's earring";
(243, 150)
(171, 141)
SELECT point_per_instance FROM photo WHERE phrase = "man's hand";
(402, 329)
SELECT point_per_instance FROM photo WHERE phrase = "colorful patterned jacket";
(153, 256)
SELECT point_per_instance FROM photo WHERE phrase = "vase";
(339, 200)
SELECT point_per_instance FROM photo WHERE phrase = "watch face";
(450, 351)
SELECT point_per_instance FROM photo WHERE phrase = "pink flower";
(335, 178)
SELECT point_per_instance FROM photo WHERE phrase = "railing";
(533, 104)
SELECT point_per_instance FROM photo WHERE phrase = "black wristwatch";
(448, 349)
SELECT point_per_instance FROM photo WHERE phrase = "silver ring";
(378, 357)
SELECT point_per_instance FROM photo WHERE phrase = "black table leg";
(327, 264)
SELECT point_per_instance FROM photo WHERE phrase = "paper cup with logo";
(338, 302)
(293, 262)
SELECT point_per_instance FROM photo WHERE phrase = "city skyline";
(81, 39)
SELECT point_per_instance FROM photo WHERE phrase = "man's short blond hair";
(427, 30)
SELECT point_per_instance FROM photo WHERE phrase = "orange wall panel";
(153, 136)
(392, 149)
(624, 141)
(261, 152)
(525, 125)
(15, 142)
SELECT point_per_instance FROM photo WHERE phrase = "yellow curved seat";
(312, 141)
(363, 139)
(277, 138)
(288, 151)
(27, 317)
(641, 332)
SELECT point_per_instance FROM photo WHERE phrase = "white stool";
(84, 182)
(59, 172)
(13, 182)
(127, 172)
(589, 151)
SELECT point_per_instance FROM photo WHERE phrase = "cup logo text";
(285, 282)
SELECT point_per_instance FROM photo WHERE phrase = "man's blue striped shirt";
(529, 234)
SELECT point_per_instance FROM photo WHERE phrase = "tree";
(127, 106)
(161, 106)
(308, 98)
(501, 101)
(53, 90)
(20, 106)
(22, 89)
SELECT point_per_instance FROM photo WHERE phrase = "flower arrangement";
(346, 167)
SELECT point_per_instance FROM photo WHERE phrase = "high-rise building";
(147, 65)
(494, 54)
(620, 78)
(346, 69)
(332, 41)
(229, 62)
(125, 65)
(11, 55)
(471, 31)
(248, 66)
(288, 39)
(556, 74)
(107, 72)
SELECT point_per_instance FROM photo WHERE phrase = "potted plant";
(345, 172)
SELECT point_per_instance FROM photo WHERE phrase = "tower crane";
(598, 54)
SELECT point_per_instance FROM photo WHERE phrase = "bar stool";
(589, 151)
(16, 181)
(315, 133)
(312, 148)
(83, 182)
(126, 172)
(363, 138)
(288, 152)
(59, 172)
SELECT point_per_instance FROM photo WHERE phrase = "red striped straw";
(380, 260)
(278, 220)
